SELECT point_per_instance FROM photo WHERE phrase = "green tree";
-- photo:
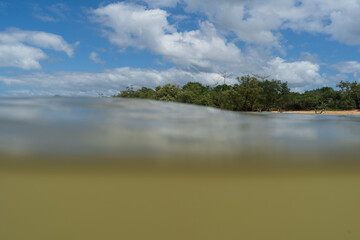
(284, 95)
(355, 88)
(269, 98)
(250, 91)
(194, 93)
(144, 92)
(251, 94)
(350, 94)
(168, 92)
(128, 93)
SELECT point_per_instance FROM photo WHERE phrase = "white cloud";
(95, 58)
(23, 49)
(344, 26)
(261, 21)
(108, 82)
(21, 56)
(251, 21)
(129, 25)
(38, 39)
(299, 74)
(348, 67)
(202, 49)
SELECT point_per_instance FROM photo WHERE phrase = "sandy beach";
(344, 112)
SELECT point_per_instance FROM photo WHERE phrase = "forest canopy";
(252, 94)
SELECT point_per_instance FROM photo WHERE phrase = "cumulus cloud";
(299, 74)
(249, 20)
(344, 26)
(201, 49)
(23, 49)
(21, 56)
(261, 21)
(129, 25)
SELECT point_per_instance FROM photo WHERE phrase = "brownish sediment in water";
(118, 201)
(178, 197)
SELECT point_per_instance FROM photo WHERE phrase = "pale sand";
(344, 112)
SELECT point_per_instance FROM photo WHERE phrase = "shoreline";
(330, 112)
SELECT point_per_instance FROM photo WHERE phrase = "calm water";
(302, 180)
(112, 127)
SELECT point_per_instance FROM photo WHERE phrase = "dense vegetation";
(251, 94)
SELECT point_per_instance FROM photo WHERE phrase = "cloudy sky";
(89, 47)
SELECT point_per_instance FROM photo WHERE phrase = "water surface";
(109, 168)
(119, 128)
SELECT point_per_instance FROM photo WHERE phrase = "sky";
(88, 47)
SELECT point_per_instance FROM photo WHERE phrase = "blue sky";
(91, 47)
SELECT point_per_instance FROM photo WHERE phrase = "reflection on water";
(122, 127)
(88, 198)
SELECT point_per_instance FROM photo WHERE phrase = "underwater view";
(100, 168)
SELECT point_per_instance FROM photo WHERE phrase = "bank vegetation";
(252, 94)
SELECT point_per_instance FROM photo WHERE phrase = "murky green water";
(106, 168)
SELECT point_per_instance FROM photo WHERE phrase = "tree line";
(252, 94)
